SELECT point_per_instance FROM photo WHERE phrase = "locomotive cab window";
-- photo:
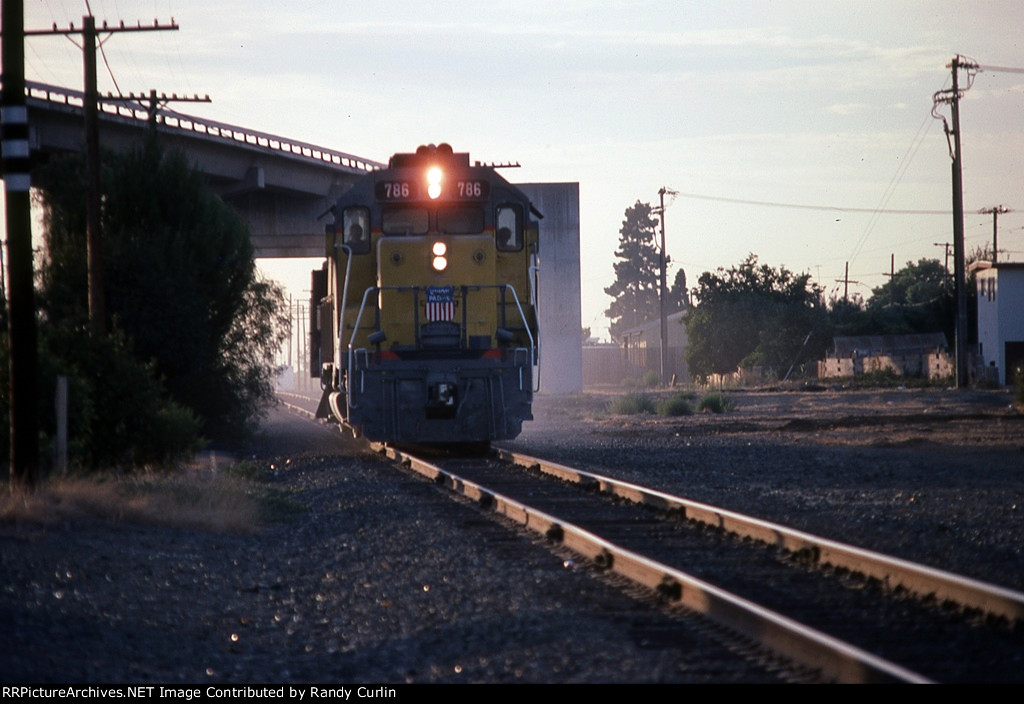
(355, 224)
(509, 228)
(404, 221)
(461, 220)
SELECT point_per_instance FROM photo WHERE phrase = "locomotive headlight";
(434, 176)
(440, 261)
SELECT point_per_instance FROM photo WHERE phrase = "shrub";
(676, 405)
(715, 402)
(652, 379)
(631, 405)
(631, 382)
(119, 415)
(1018, 387)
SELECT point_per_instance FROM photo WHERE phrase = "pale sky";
(824, 104)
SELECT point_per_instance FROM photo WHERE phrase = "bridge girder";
(282, 189)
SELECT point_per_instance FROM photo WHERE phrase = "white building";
(1001, 317)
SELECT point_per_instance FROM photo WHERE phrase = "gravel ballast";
(384, 578)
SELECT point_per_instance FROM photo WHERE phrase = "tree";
(849, 316)
(637, 273)
(916, 299)
(679, 295)
(914, 284)
(751, 315)
(181, 282)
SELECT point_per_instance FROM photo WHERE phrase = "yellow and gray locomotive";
(427, 317)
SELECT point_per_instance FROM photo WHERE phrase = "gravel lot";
(373, 582)
(929, 475)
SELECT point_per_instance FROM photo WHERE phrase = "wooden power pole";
(996, 211)
(24, 428)
(952, 96)
(90, 40)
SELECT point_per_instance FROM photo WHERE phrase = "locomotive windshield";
(461, 220)
(404, 221)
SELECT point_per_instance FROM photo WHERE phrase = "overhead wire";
(1001, 69)
(806, 206)
(890, 190)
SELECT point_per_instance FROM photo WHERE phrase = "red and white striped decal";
(444, 311)
(440, 303)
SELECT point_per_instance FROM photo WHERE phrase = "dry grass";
(212, 503)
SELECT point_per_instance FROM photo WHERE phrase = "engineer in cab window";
(356, 235)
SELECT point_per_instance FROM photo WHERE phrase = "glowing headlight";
(439, 250)
(434, 176)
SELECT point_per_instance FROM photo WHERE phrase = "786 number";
(396, 189)
(470, 189)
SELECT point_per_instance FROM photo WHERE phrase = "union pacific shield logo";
(440, 303)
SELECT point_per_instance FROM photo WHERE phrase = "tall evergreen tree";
(636, 272)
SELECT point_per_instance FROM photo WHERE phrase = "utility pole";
(946, 246)
(21, 325)
(952, 96)
(845, 281)
(662, 287)
(995, 210)
(892, 277)
(90, 107)
(153, 103)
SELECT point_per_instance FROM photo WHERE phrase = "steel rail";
(890, 571)
(297, 410)
(834, 658)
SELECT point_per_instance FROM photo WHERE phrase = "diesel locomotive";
(426, 308)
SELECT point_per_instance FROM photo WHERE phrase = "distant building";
(1000, 318)
(923, 355)
(641, 348)
(603, 365)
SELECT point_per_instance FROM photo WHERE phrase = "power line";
(890, 190)
(805, 206)
(1001, 69)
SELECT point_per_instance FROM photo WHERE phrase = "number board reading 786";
(397, 191)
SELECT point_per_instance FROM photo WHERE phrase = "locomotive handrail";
(344, 293)
(376, 289)
(352, 340)
(522, 317)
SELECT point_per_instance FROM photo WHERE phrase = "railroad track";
(850, 614)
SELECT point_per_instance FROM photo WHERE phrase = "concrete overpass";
(281, 187)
